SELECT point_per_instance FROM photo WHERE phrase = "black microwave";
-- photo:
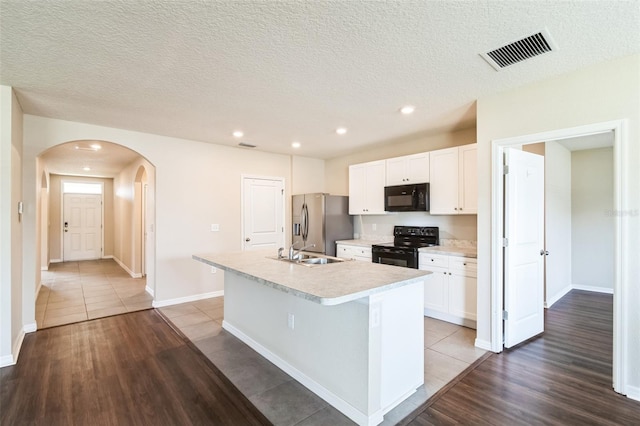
(407, 198)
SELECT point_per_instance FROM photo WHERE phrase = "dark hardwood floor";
(562, 377)
(130, 369)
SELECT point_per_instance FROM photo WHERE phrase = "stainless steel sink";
(307, 259)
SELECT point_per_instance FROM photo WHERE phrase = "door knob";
(247, 239)
(544, 253)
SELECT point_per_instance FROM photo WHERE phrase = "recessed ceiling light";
(341, 130)
(238, 134)
(407, 109)
(95, 146)
(86, 169)
(296, 144)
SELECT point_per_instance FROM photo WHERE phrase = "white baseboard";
(177, 301)
(55, 261)
(633, 392)
(606, 290)
(450, 318)
(30, 328)
(38, 289)
(6, 361)
(559, 295)
(13, 358)
(483, 344)
(109, 256)
(150, 291)
(126, 268)
(334, 400)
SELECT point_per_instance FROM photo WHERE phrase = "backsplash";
(459, 231)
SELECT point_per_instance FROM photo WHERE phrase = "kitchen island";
(351, 332)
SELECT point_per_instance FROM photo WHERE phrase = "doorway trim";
(620, 284)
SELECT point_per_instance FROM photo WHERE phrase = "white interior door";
(263, 208)
(82, 226)
(524, 251)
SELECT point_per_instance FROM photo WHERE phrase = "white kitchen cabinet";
(360, 253)
(366, 188)
(408, 169)
(453, 187)
(450, 292)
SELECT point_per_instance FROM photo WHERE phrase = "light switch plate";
(215, 227)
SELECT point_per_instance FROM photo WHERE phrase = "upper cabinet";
(408, 169)
(454, 180)
(366, 188)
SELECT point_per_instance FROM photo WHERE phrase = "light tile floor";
(80, 291)
(449, 349)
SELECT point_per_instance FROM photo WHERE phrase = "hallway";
(79, 291)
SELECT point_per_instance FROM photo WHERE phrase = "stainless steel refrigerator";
(321, 219)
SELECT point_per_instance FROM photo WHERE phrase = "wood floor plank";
(563, 377)
(130, 369)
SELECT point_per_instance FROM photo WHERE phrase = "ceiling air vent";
(520, 50)
(246, 145)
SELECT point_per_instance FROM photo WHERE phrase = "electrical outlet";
(215, 227)
(290, 321)
(374, 227)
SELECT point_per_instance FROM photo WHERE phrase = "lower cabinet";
(361, 253)
(450, 292)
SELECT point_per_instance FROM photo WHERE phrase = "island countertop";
(330, 284)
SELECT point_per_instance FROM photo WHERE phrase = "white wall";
(462, 227)
(197, 184)
(600, 93)
(557, 194)
(11, 247)
(593, 223)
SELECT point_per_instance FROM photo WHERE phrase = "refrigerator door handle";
(303, 221)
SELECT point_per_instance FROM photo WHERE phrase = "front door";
(82, 226)
(263, 208)
(524, 248)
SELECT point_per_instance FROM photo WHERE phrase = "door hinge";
(505, 169)
(282, 191)
(505, 315)
(505, 242)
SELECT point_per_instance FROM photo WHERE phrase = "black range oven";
(406, 242)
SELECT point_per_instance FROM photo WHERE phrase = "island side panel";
(366, 356)
(328, 344)
(402, 345)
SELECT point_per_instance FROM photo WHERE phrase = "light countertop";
(330, 284)
(444, 250)
(363, 243)
(451, 251)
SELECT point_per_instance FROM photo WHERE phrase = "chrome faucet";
(295, 254)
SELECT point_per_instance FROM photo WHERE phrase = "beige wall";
(592, 224)
(197, 184)
(337, 169)
(127, 198)
(55, 214)
(13, 317)
(604, 92)
(307, 175)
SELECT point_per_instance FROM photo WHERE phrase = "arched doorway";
(126, 177)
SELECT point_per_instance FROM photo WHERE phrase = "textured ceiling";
(290, 70)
